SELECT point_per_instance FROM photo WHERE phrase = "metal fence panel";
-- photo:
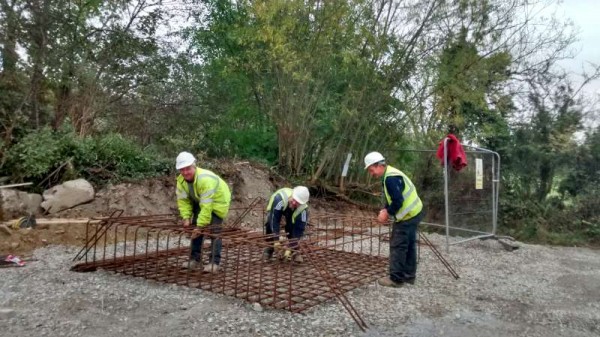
(462, 204)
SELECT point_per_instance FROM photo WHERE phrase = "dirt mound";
(248, 181)
(150, 196)
(251, 181)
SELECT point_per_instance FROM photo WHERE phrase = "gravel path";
(533, 291)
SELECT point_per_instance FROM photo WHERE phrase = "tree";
(584, 174)
(543, 142)
(322, 72)
(468, 91)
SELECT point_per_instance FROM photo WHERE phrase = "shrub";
(552, 221)
(34, 156)
(47, 157)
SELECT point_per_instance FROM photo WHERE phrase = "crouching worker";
(203, 200)
(291, 203)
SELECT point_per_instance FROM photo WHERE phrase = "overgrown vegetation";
(112, 90)
(47, 157)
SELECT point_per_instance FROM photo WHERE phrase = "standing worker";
(203, 200)
(291, 203)
(402, 203)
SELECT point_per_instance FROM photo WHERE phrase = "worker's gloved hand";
(288, 254)
(277, 246)
(187, 222)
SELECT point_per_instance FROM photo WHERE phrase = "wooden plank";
(55, 221)
(15, 185)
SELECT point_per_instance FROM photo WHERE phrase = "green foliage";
(245, 143)
(585, 171)
(553, 221)
(52, 156)
(78, 59)
(35, 155)
(121, 159)
(13, 120)
(466, 84)
(309, 76)
(544, 148)
(550, 183)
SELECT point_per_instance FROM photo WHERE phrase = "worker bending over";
(291, 204)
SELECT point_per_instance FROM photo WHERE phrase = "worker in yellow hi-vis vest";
(293, 205)
(203, 199)
(403, 204)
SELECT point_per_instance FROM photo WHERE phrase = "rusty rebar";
(343, 253)
(439, 255)
(333, 282)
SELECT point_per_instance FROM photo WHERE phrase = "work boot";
(267, 254)
(211, 268)
(387, 282)
(192, 265)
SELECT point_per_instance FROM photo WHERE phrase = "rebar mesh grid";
(340, 254)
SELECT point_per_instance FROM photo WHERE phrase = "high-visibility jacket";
(412, 204)
(285, 194)
(298, 211)
(296, 219)
(209, 191)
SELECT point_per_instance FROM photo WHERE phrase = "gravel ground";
(533, 291)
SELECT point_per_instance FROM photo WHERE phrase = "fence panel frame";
(494, 194)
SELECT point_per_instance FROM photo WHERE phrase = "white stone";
(67, 195)
(257, 307)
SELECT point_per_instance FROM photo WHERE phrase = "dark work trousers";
(294, 233)
(215, 244)
(403, 249)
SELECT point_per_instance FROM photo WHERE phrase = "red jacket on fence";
(456, 154)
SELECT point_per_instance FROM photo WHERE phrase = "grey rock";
(14, 203)
(257, 307)
(64, 196)
(5, 229)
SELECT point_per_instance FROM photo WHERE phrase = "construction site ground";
(532, 291)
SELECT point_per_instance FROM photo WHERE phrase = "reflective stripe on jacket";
(412, 204)
(209, 191)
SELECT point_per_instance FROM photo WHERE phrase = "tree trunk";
(9, 39)
(38, 52)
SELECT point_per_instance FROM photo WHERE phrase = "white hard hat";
(300, 194)
(373, 158)
(184, 159)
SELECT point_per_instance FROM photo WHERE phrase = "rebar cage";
(340, 253)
